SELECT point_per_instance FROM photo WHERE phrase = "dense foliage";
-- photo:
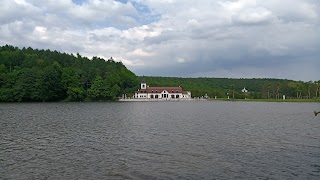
(42, 75)
(257, 88)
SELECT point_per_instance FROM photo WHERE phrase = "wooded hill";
(42, 75)
(257, 88)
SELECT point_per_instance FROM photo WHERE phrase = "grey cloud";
(256, 17)
(12, 11)
(294, 10)
(238, 38)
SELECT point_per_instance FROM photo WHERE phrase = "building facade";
(165, 93)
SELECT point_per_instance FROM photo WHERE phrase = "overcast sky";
(184, 38)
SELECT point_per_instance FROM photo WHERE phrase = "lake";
(159, 140)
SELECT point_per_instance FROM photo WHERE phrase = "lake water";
(159, 140)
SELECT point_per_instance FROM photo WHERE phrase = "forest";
(33, 75)
(257, 88)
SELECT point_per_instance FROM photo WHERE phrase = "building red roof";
(160, 89)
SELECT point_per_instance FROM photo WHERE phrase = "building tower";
(143, 85)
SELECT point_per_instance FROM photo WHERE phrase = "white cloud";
(181, 60)
(253, 16)
(40, 32)
(98, 10)
(140, 52)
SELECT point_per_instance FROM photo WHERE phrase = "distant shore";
(268, 100)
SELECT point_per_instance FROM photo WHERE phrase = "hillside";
(42, 75)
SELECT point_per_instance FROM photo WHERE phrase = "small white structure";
(244, 90)
(161, 93)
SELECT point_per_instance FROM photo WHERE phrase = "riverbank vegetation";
(263, 89)
(314, 100)
(33, 75)
(42, 75)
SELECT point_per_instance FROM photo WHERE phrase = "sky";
(180, 38)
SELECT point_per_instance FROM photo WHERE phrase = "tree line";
(257, 88)
(43, 75)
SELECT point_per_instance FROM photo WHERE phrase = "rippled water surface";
(159, 140)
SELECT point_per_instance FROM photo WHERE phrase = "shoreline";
(182, 100)
(269, 100)
(159, 100)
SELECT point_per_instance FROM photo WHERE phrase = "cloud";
(225, 38)
(140, 52)
(253, 16)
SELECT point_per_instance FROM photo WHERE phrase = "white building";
(167, 93)
(244, 90)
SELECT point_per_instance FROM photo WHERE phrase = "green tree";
(50, 83)
(3, 72)
(71, 82)
(269, 88)
(5, 91)
(317, 88)
(278, 90)
(26, 87)
(100, 89)
(309, 87)
(232, 90)
(114, 92)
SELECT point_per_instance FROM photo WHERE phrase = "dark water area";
(159, 140)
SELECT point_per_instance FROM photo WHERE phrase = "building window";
(177, 96)
(156, 96)
(151, 96)
(172, 96)
(177, 91)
